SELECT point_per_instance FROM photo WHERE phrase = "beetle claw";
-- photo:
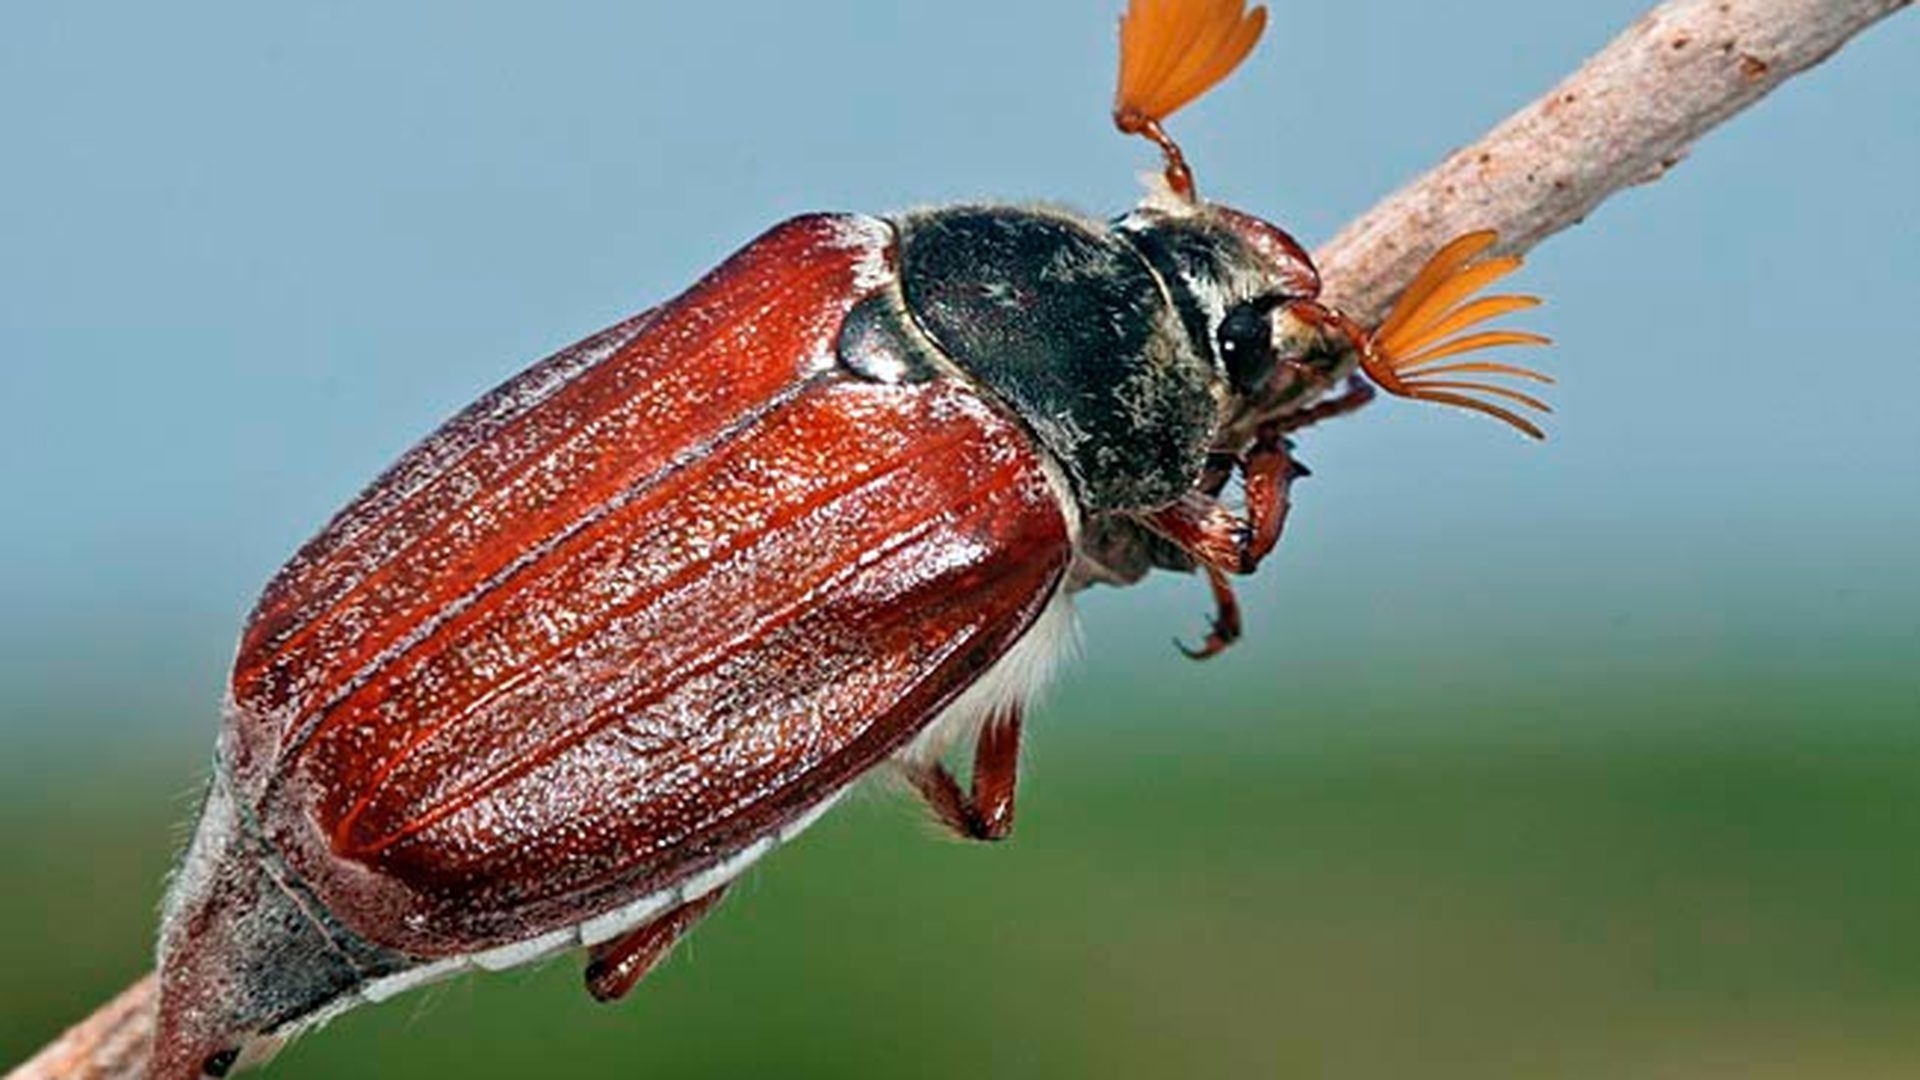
(1225, 627)
(1212, 647)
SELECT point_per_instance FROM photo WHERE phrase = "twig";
(112, 1044)
(1625, 118)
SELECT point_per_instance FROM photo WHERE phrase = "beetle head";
(1278, 347)
(1247, 296)
(1246, 288)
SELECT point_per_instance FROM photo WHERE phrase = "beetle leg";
(1270, 471)
(1357, 394)
(615, 966)
(996, 772)
(1204, 528)
(985, 812)
(1219, 470)
(1226, 619)
(1225, 543)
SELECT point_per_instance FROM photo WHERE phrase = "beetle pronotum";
(645, 611)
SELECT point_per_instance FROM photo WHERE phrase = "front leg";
(1226, 619)
(1270, 472)
(1202, 526)
(1226, 543)
(1358, 394)
(986, 812)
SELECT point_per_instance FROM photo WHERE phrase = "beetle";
(647, 610)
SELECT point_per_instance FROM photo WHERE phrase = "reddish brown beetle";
(644, 612)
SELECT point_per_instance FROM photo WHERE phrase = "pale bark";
(1624, 118)
(112, 1044)
(1627, 116)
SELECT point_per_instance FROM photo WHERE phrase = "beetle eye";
(220, 1063)
(1246, 344)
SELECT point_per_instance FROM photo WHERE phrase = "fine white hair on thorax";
(1161, 196)
(1011, 683)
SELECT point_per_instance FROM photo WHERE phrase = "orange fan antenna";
(1404, 354)
(1172, 51)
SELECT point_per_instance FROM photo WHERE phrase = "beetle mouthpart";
(1171, 52)
(1400, 354)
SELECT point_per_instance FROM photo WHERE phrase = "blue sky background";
(249, 253)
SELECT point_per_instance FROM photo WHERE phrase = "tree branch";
(1625, 118)
(112, 1044)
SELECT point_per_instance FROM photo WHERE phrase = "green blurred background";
(1594, 759)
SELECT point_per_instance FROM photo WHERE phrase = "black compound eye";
(1246, 344)
(220, 1063)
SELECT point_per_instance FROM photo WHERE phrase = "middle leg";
(985, 811)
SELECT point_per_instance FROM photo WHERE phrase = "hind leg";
(615, 966)
(985, 810)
